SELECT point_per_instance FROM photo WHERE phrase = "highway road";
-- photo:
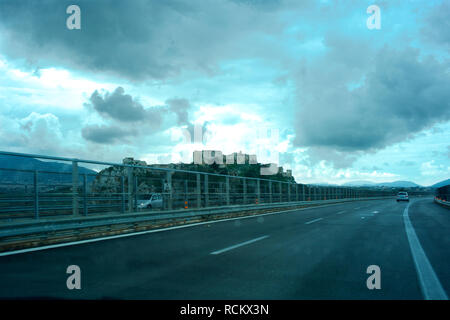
(318, 253)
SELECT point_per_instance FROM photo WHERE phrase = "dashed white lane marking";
(238, 245)
(357, 208)
(429, 282)
(375, 211)
(340, 212)
(312, 221)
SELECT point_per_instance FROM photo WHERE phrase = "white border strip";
(429, 282)
(238, 245)
(315, 220)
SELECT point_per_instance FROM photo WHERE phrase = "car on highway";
(150, 201)
(402, 196)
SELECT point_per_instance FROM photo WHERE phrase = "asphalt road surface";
(318, 253)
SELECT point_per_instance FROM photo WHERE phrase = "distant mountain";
(441, 184)
(399, 184)
(359, 184)
(21, 163)
(395, 184)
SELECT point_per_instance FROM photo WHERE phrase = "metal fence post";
(85, 202)
(280, 186)
(199, 190)
(130, 188)
(74, 187)
(206, 191)
(244, 191)
(36, 195)
(270, 191)
(170, 187)
(303, 193)
(258, 191)
(227, 190)
(135, 193)
(122, 193)
(289, 185)
(186, 189)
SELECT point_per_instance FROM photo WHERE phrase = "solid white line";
(429, 282)
(315, 220)
(74, 243)
(238, 245)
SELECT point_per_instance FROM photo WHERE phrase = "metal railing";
(119, 187)
(443, 193)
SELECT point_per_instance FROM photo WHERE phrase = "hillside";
(394, 184)
(441, 184)
(20, 163)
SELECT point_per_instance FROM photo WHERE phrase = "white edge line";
(152, 231)
(429, 282)
(315, 220)
(238, 245)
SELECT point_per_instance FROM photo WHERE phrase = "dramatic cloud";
(180, 107)
(118, 105)
(126, 116)
(122, 107)
(345, 98)
(39, 132)
(133, 39)
(400, 96)
(437, 25)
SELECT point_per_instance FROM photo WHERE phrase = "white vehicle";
(151, 201)
(402, 196)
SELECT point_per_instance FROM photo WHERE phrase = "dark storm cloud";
(118, 105)
(105, 134)
(339, 160)
(180, 107)
(437, 24)
(401, 95)
(126, 116)
(124, 108)
(140, 39)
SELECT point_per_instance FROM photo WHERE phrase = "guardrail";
(120, 187)
(442, 202)
(71, 223)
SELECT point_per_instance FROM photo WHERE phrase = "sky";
(306, 84)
